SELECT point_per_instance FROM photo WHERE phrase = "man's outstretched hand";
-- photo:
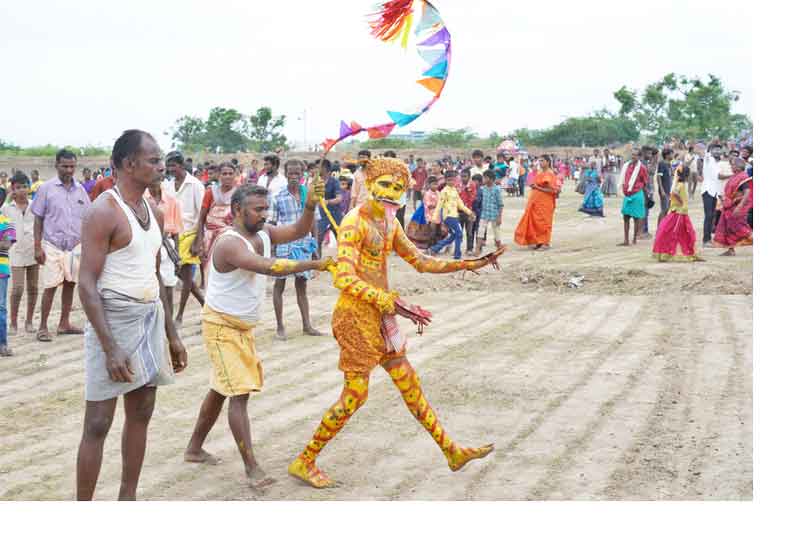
(490, 258)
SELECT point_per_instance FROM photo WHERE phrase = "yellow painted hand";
(316, 190)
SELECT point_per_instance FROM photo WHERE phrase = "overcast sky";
(80, 72)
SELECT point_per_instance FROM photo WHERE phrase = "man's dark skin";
(106, 230)
(178, 172)
(229, 254)
(65, 168)
(293, 179)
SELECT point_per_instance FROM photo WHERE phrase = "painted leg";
(407, 381)
(353, 397)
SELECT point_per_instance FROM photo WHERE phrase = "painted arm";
(346, 279)
(230, 252)
(406, 250)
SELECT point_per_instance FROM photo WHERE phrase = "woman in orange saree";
(535, 226)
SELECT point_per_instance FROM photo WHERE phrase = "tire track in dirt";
(500, 468)
(541, 335)
(649, 371)
(660, 463)
(708, 471)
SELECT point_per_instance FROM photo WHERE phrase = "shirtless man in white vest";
(121, 292)
(239, 261)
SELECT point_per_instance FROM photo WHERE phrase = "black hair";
(65, 154)
(226, 164)
(449, 173)
(235, 162)
(273, 159)
(127, 146)
(749, 149)
(390, 154)
(432, 179)
(20, 178)
(476, 177)
(477, 152)
(292, 162)
(365, 152)
(667, 152)
(325, 164)
(489, 173)
(175, 157)
(245, 191)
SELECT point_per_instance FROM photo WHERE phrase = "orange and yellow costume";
(364, 320)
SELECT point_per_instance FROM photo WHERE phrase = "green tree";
(451, 138)
(189, 133)
(386, 143)
(684, 107)
(226, 130)
(265, 130)
(597, 130)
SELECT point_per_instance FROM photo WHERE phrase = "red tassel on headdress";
(391, 19)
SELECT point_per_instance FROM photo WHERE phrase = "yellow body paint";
(364, 304)
(282, 265)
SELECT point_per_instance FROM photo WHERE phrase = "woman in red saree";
(535, 226)
(737, 199)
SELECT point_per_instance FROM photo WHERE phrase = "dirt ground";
(635, 386)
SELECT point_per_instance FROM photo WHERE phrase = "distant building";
(412, 136)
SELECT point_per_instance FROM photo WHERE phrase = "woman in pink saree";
(737, 199)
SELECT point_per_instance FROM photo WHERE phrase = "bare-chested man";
(121, 291)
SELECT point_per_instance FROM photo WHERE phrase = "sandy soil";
(637, 385)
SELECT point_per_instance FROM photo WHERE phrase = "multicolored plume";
(395, 19)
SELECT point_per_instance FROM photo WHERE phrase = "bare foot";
(281, 335)
(257, 480)
(310, 474)
(202, 457)
(313, 332)
(29, 327)
(460, 456)
(624, 244)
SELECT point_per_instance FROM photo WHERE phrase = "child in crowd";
(7, 238)
(491, 214)
(24, 269)
(675, 231)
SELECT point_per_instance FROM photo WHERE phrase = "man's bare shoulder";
(103, 215)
